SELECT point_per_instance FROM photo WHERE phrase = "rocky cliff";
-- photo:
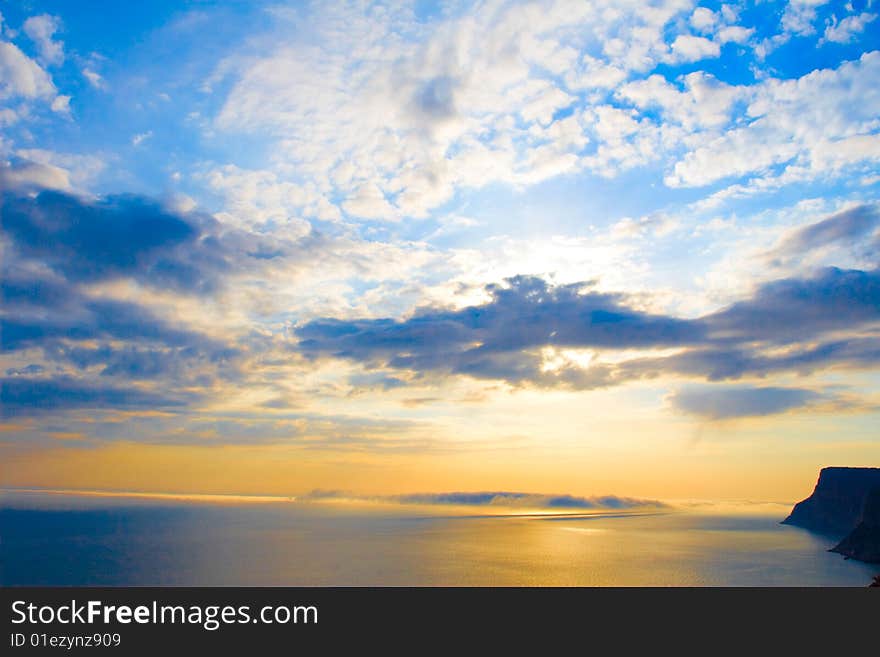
(863, 542)
(837, 502)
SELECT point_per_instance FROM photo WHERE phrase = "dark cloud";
(503, 338)
(846, 226)
(138, 363)
(131, 237)
(497, 499)
(116, 237)
(435, 99)
(58, 245)
(531, 500)
(729, 402)
(40, 311)
(796, 309)
(34, 396)
(718, 364)
(500, 339)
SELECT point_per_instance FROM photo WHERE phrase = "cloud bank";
(496, 499)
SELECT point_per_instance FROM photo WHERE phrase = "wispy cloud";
(94, 78)
(141, 137)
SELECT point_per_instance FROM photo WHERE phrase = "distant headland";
(845, 504)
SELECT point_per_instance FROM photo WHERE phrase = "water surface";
(62, 541)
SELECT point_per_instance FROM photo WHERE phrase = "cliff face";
(863, 542)
(838, 501)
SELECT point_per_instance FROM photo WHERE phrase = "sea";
(57, 539)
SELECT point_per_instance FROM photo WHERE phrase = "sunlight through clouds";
(334, 232)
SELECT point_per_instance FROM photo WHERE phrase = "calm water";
(139, 543)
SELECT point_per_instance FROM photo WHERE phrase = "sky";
(555, 248)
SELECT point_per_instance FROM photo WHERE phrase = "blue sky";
(355, 229)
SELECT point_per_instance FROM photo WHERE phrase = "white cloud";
(846, 30)
(812, 126)
(23, 85)
(596, 74)
(369, 202)
(258, 199)
(799, 16)
(94, 78)
(654, 224)
(393, 119)
(690, 48)
(798, 20)
(40, 29)
(27, 175)
(541, 107)
(182, 203)
(703, 19)
(80, 167)
(371, 116)
(20, 76)
(141, 137)
(61, 104)
(703, 101)
(40, 168)
(735, 34)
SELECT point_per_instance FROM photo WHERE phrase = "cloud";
(61, 104)
(735, 34)
(125, 287)
(390, 120)
(395, 126)
(32, 169)
(846, 227)
(503, 338)
(22, 77)
(262, 200)
(689, 48)
(791, 310)
(369, 202)
(42, 311)
(23, 175)
(60, 250)
(20, 396)
(141, 137)
(697, 100)
(816, 125)
(40, 29)
(375, 380)
(703, 19)
(496, 499)
(719, 363)
(127, 237)
(845, 30)
(94, 78)
(798, 18)
(729, 402)
(122, 291)
(33, 368)
(380, 114)
(534, 333)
